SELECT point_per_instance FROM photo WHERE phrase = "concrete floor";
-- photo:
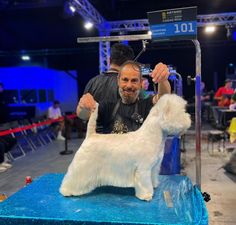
(214, 180)
(220, 185)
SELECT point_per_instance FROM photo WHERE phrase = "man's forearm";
(163, 88)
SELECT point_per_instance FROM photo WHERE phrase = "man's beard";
(128, 99)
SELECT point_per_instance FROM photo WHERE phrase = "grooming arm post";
(198, 112)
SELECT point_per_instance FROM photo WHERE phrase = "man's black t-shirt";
(124, 117)
(103, 87)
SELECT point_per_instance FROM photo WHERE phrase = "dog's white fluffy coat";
(126, 160)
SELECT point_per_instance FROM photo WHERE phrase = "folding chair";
(44, 131)
(31, 135)
(17, 151)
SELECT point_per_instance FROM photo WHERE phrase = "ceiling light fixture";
(88, 25)
(210, 29)
(72, 8)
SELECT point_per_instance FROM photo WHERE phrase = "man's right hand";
(87, 103)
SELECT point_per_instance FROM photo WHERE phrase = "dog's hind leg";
(143, 184)
(76, 186)
(79, 179)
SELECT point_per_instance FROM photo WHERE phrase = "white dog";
(126, 160)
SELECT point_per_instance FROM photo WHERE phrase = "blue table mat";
(41, 203)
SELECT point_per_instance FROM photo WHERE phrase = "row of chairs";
(28, 140)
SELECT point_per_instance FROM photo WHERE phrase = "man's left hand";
(160, 73)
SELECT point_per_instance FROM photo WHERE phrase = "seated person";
(128, 113)
(2, 152)
(3, 104)
(224, 94)
(6, 144)
(205, 102)
(232, 105)
(54, 112)
(204, 95)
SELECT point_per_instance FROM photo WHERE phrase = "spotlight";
(210, 29)
(231, 68)
(25, 57)
(88, 25)
(72, 8)
(149, 32)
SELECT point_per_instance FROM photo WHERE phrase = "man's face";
(55, 106)
(129, 83)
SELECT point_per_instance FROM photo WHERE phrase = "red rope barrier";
(27, 127)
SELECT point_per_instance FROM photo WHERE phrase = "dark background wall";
(48, 33)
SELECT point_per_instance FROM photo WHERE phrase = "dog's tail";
(91, 127)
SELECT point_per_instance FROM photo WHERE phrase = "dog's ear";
(172, 116)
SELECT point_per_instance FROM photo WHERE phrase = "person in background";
(2, 152)
(54, 112)
(204, 95)
(3, 104)
(223, 94)
(144, 90)
(7, 142)
(104, 86)
(232, 105)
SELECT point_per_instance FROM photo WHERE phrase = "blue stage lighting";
(234, 35)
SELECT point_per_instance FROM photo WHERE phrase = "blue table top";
(41, 203)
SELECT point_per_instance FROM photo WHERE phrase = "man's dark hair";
(121, 53)
(228, 80)
(136, 66)
(56, 102)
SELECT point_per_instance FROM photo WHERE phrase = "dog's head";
(171, 113)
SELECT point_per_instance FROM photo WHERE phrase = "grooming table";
(176, 201)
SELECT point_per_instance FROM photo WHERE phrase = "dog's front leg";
(155, 173)
(143, 184)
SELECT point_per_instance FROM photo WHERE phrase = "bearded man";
(128, 113)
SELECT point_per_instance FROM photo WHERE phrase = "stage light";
(25, 57)
(231, 68)
(149, 32)
(210, 29)
(72, 8)
(88, 25)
